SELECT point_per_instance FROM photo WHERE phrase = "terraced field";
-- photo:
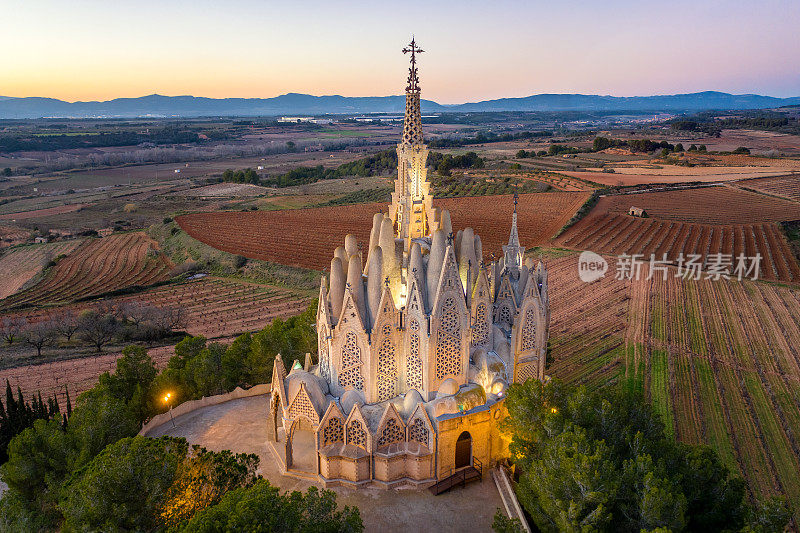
(96, 267)
(21, 264)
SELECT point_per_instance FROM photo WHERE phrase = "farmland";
(307, 237)
(622, 234)
(706, 205)
(216, 308)
(96, 267)
(22, 264)
(588, 322)
(785, 186)
(719, 361)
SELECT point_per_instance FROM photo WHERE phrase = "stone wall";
(205, 401)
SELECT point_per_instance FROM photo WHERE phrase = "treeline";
(98, 326)
(93, 473)
(602, 462)
(16, 415)
(712, 124)
(444, 163)
(489, 137)
(48, 142)
(377, 164)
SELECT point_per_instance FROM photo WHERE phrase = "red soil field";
(216, 308)
(623, 234)
(707, 205)
(307, 237)
(618, 178)
(49, 211)
(96, 267)
(786, 186)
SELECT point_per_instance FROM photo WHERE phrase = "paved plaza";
(241, 426)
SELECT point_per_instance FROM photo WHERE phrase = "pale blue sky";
(88, 49)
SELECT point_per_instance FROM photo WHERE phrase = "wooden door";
(464, 450)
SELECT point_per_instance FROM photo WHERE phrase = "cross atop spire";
(413, 80)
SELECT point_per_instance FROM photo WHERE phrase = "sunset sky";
(93, 50)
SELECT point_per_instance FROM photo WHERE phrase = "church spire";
(514, 253)
(412, 124)
(412, 201)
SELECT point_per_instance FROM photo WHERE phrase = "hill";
(305, 104)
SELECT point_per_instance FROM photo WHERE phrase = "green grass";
(659, 389)
(716, 428)
(782, 456)
(697, 337)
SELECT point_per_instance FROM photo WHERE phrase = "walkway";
(241, 426)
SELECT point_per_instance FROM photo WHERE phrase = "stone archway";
(275, 417)
(463, 450)
(301, 447)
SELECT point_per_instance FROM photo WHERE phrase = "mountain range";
(305, 104)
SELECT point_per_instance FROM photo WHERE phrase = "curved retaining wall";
(205, 401)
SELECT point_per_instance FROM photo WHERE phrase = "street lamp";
(166, 401)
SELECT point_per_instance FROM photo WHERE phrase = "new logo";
(591, 267)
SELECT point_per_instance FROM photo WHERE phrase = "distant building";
(637, 212)
(296, 119)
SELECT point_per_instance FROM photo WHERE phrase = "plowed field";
(20, 265)
(97, 266)
(307, 237)
(623, 234)
(786, 186)
(707, 205)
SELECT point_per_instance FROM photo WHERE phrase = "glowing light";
(167, 397)
(554, 410)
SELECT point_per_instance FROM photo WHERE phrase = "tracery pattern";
(418, 432)
(529, 330)
(448, 341)
(526, 372)
(480, 331)
(504, 315)
(324, 361)
(356, 434)
(392, 432)
(414, 362)
(387, 370)
(333, 431)
(301, 406)
(351, 364)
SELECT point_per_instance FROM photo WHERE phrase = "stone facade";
(418, 341)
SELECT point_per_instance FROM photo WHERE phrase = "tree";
(502, 524)
(66, 323)
(601, 143)
(39, 334)
(11, 328)
(702, 148)
(7, 172)
(679, 147)
(262, 508)
(123, 487)
(693, 148)
(98, 328)
(522, 154)
(144, 484)
(601, 461)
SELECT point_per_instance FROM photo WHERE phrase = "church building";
(419, 339)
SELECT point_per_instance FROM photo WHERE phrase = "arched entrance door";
(302, 447)
(464, 450)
